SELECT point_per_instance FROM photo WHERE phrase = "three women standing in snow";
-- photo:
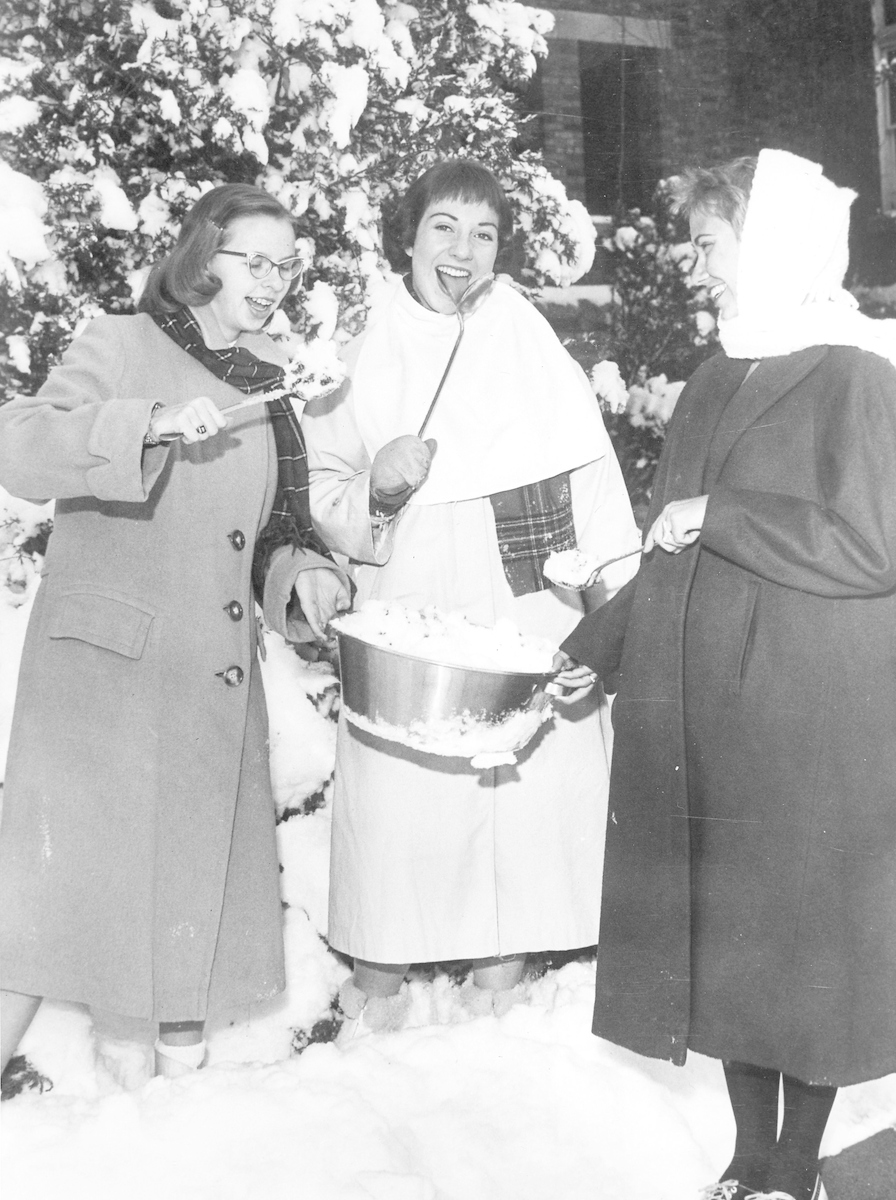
(750, 889)
(750, 878)
(431, 859)
(139, 867)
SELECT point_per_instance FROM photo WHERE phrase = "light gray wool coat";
(139, 868)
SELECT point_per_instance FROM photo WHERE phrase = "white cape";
(514, 409)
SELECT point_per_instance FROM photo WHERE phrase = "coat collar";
(772, 379)
(697, 413)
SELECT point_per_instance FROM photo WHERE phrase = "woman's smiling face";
(244, 303)
(718, 252)
(456, 243)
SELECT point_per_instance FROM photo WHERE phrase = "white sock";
(190, 1056)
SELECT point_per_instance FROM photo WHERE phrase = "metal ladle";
(470, 300)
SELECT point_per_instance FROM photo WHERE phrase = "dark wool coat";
(749, 904)
(139, 868)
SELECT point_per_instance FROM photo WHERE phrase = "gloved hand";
(401, 465)
(322, 595)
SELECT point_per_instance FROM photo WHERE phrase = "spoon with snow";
(470, 299)
(594, 574)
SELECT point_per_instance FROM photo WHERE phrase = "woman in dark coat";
(750, 880)
(139, 866)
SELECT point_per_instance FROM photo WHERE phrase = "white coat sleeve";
(339, 478)
(605, 526)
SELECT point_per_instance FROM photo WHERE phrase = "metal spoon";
(469, 301)
(596, 573)
(258, 398)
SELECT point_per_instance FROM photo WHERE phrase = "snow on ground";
(528, 1106)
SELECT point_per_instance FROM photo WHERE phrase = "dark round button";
(237, 539)
(234, 610)
(233, 676)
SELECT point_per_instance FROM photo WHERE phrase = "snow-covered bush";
(657, 328)
(24, 531)
(115, 115)
(24, 528)
(885, 68)
(658, 324)
(651, 403)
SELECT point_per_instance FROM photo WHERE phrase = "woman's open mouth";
(453, 281)
(260, 305)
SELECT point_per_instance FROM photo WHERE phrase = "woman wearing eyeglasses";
(137, 854)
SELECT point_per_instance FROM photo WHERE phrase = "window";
(620, 125)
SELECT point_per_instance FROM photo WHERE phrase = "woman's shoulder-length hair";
(723, 191)
(453, 179)
(185, 277)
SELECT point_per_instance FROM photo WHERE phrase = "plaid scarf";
(290, 521)
(532, 522)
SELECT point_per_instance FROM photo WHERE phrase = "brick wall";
(696, 87)
(560, 116)
(693, 83)
(740, 74)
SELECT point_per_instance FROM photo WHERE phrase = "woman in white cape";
(431, 859)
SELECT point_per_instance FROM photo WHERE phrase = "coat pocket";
(112, 623)
(751, 616)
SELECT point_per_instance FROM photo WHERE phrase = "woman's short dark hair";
(184, 276)
(723, 191)
(453, 179)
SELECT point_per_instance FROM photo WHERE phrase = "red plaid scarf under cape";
(290, 521)
(532, 522)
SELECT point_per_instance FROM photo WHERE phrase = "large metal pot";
(388, 686)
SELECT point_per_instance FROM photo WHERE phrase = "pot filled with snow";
(442, 685)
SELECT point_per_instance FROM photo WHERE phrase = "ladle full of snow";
(472, 297)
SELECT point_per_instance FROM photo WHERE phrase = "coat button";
(237, 539)
(233, 676)
(234, 610)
